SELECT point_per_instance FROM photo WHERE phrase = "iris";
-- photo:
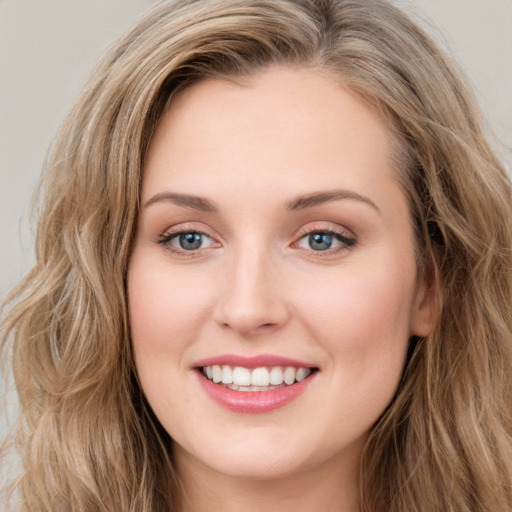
(190, 241)
(320, 241)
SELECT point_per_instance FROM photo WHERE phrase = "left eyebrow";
(186, 200)
(318, 198)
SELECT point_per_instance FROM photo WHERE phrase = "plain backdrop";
(48, 48)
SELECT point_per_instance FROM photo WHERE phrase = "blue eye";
(322, 241)
(185, 241)
(190, 241)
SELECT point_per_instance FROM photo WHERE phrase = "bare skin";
(272, 224)
(328, 489)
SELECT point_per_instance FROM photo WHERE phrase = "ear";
(423, 314)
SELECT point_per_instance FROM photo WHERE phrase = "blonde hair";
(87, 438)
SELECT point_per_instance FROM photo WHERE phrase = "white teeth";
(302, 373)
(258, 379)
(276, 376)
(289, 375)
(227, 375)
(241, 376)
(217, 373)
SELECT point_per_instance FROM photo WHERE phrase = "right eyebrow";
(189, 201)
(318, 198)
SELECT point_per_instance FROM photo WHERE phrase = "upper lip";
(252, 361)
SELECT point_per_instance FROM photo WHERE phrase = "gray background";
(48, 48)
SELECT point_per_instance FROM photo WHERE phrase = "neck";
(331, 487)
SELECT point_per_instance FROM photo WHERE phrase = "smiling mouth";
(265, 378)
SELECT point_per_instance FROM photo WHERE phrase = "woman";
(273, 272)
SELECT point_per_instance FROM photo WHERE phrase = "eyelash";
(165, 239)
(345, 240)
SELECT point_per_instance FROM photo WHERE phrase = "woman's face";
(273, 242)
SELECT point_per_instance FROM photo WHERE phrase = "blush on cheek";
(356, 307)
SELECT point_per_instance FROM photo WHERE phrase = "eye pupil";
(320, 241)
(191, 241)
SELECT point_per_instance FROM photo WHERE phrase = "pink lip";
(252, 362)
(252, 401)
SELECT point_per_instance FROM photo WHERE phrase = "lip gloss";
(252, 401)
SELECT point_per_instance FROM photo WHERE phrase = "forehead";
(278, 135)
(283, 122)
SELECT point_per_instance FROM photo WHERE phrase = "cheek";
(362, 315)
(165, 311)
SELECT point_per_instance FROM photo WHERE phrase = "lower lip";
(253, 401)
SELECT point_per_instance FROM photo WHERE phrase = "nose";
(252, 301)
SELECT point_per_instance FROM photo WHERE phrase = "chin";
(257, 459)
(258, 468)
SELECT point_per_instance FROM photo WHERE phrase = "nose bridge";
(251, 300)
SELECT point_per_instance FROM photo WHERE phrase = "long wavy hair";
(88, 440)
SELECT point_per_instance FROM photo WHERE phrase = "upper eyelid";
(168, 235)
(187, 227)
(322, 227)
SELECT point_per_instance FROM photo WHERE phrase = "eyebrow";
(318, 198)
(194, 202)
(299, 203)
